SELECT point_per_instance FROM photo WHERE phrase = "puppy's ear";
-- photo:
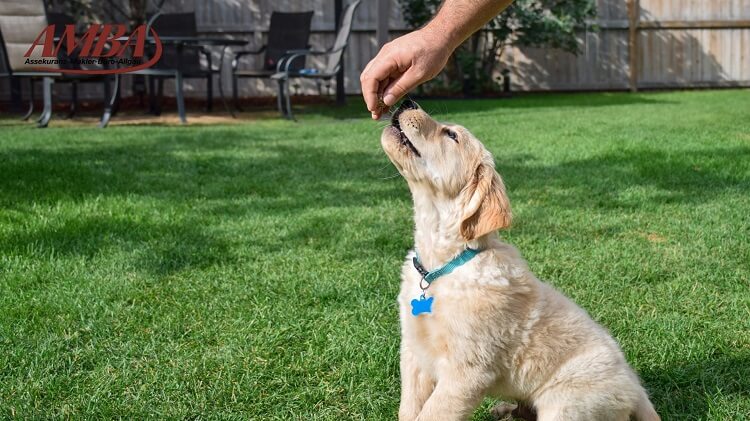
(487, 207)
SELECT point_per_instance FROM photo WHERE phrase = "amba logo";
(91, 49)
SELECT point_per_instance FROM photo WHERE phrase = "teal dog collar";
(423, 304)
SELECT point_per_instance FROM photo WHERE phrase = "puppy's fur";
(495, 330)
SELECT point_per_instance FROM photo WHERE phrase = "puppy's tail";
(645, 411)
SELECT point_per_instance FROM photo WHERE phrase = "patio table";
(180, 42)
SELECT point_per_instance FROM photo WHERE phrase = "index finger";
(370, 90)
(376, 71)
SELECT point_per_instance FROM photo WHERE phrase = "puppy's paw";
(505, 411)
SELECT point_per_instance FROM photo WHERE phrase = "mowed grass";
(250, 271)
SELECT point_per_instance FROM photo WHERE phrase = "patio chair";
(165, 72)
(60, 20)
(188, 59)
(286, 32)
(328, 73)
(21, 21)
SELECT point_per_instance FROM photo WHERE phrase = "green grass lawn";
(250, 271)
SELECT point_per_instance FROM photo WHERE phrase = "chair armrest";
(306, 51)
(239, 54)
(207, 55)
(290, 55)
(286, 60)
(336, 50)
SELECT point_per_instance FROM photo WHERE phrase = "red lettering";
(106, 36)
(48, 34)
(87, 40)
(92, 44)
(140, 40)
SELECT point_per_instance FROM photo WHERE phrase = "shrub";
(537, 23)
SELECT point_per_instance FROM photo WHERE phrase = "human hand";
(401, 65)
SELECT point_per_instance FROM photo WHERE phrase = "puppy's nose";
(408, 104)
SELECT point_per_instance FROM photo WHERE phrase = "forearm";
(456, 20)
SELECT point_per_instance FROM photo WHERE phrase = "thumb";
(401, 85)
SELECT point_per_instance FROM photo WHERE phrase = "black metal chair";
(21, 21)
(328, 73)
(187, 58)
(60, 20)
(286, 32)
(165, 72)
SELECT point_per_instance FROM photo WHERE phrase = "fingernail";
(389, 99)
(374, 116)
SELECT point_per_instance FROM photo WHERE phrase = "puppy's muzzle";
(407, 104)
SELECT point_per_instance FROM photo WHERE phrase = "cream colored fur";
(495, 329)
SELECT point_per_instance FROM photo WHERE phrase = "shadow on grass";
(688, 391)
(195, 179)
(692, 176)
(171, 247)
(282, 177)
(296, 176)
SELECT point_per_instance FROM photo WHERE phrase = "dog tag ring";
(422, 304)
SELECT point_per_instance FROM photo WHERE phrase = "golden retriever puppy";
(475, 321)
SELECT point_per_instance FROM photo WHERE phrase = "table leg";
(15, 93)
(221, 82)
(152, 107)
(180, 97)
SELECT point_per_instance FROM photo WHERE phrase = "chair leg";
(210, 92)
(280, 98)
(139, 87)
(180, 98)
(47, 94)
(116, 99)
(73, 100)
(288, 98)
(31, 101)
(235, 94)
(159, 95)
(15, 93)
(151, 94)
(109, 105)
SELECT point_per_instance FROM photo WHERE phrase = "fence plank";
(633, 50)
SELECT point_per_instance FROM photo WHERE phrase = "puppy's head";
(448, 162)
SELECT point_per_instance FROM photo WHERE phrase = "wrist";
(438, 34)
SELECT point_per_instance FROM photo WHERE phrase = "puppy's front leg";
(416, 387)
(453, 399)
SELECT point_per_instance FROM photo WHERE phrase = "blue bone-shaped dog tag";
(421, 305)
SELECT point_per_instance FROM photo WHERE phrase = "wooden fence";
(639, 44)
(647, 44)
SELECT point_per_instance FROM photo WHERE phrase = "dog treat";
(382, 108)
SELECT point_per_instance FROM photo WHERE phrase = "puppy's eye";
(450, 133)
